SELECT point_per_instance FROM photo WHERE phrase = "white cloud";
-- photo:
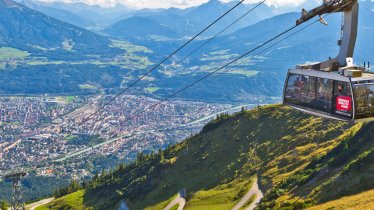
(178, 3)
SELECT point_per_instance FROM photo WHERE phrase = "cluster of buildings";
(56, 138)
(15, 110)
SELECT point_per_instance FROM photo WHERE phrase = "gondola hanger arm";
(349, 30)
(328, 6)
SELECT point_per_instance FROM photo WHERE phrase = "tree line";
(108, 176)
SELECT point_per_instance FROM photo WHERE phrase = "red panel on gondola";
(343, 103)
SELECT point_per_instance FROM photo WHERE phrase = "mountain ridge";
(249, 78)
(58, 13)
(149, 26)
(79, 14)
(186, 22)
(32, 31)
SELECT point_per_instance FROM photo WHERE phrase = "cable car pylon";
(17, 202)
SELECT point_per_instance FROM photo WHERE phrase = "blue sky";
(285, 4)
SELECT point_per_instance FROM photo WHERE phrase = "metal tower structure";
(17, 202)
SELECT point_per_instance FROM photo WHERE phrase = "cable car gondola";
(335, 88)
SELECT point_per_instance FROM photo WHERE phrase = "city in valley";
(71, 136)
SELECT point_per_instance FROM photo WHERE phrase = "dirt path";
(253, 191)
(33, 206)
(178, 200)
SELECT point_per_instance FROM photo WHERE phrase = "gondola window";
(364, 100)
(324, 94)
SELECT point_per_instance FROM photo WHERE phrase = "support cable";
(160, 63)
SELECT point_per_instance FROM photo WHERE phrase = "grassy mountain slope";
(362, 201)
(301, 161)
(73, 200)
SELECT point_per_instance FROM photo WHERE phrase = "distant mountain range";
(188, 22)
(157, 33)
(80, 14)
(315, 43)
(142, 28)
(63, 14)
(183, 22)
(96, 17)
(174, 25)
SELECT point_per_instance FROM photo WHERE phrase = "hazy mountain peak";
(8, 3)
(214, 2)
